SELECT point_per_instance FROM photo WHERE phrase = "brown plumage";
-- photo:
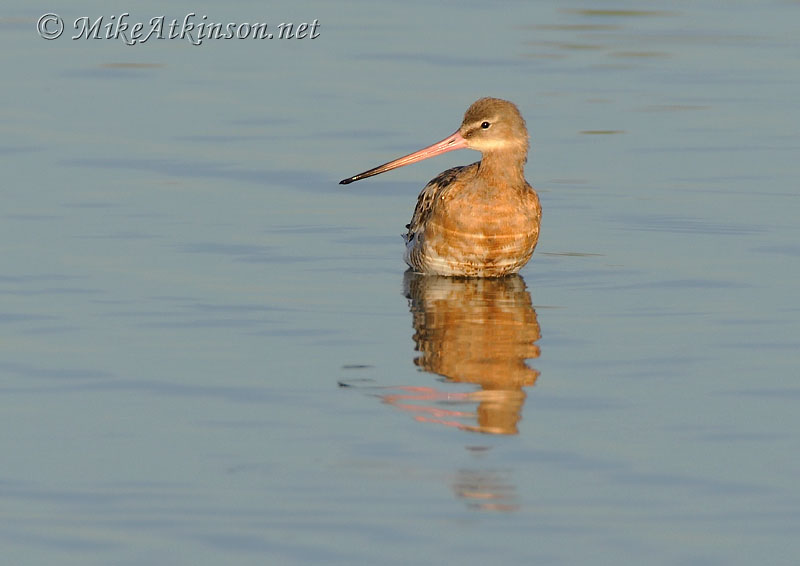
(479, 220)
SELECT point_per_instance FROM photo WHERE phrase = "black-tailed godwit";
(479, 220)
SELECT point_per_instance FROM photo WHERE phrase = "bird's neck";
(507, 166)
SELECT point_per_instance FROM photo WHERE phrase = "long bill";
(450, 143)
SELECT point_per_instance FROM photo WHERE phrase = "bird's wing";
(428, 197)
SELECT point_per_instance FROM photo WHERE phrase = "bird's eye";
(485, 125)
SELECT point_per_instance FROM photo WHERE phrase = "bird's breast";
(480, 231)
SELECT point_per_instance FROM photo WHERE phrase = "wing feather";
(425, 202)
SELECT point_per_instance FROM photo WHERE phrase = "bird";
(478, 220)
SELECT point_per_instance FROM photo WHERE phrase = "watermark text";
(191, 27)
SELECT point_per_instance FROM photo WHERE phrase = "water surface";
(211, 352)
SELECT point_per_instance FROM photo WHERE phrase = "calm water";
(210, 354)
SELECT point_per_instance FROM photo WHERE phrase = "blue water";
(210, 353)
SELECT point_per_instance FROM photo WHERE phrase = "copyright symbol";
(50, 26)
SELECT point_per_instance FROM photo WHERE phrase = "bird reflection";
(485, 490)
(477, 331)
